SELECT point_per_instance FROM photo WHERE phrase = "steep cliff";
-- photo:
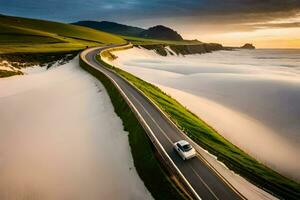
(184, 49)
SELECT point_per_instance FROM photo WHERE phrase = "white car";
(184, 149)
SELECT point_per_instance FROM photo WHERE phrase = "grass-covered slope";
(32, 35)
(234, 158)
(148, 41)
(112, 27)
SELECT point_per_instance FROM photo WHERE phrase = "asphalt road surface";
(205, 182)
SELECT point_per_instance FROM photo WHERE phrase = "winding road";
(205, 182)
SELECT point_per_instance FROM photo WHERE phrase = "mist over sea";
(251, 97)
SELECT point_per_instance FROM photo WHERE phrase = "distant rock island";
(245, 46)
(248, 46)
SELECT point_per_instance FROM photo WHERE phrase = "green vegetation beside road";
(233, 157)
(23, 35)
(146, 41)
(147, 165)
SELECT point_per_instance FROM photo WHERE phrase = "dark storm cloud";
(219, 7)
(222, 11)
(231, 11)
(176, 8)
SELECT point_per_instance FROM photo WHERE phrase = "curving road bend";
(202, 178)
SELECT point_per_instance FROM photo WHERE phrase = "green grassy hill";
(31, 35)
(112, 27)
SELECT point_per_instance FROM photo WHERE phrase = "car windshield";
(186, 147)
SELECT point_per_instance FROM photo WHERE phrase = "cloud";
(132, 9)
(278, 25)
(203, 8)
(245, 15)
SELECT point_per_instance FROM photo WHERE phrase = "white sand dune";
(60, 139)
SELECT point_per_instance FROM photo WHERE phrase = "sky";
(265, 23)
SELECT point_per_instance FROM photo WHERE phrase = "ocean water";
(252, 97)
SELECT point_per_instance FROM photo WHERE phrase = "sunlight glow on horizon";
(271, 34)
(262, 38)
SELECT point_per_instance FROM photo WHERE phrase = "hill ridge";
(156, 32)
